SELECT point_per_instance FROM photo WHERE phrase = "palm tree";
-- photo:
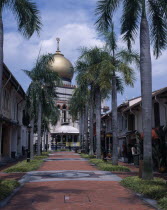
(28, 19)
(42, 93)
(120, 60)
(99, 84)
(135, 12)
(77, 108)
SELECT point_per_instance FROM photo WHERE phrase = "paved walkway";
(67, 182)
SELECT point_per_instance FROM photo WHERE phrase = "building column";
(61, 139)
(68, 140)
(14, 140)
(49, 141)
(105, 139)
(19, 141)
(0, 140)
(109, 144)
(73, 140)
(9, 140)
(32, 140)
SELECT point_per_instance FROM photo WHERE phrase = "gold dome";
(62, 66)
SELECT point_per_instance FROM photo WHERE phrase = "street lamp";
(29, 135)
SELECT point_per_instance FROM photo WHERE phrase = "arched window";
(64, 107)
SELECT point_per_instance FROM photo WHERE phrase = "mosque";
(66, 131)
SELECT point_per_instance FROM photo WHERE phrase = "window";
(6, 98)
(156, 115)
(64, 113)
(64, 106)
(64, 116)
(131, 122)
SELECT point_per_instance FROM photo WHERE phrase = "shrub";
(155, 189)
(107, 166)
(163, 203)
(6, 187)
(110, 167)
(87, 156)
(25, 166)
(96, 161)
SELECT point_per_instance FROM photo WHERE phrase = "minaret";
(58, 46)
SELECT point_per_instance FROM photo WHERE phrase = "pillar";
(109, 144)
(19, 141)
(0, 140)
(105, 143)
(61, 139)
(32, 140)
(14, 140)
(49, 141)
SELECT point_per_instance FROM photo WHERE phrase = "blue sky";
(72, 21)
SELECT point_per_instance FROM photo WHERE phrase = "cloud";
(72, 21)
(21, 53)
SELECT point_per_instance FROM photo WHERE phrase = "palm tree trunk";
(114, 122)
(46, 140)
(32, 140)
(86, 128)
(91, 152)
(1, 73)
(146, 92)
(82, 129)
(39, 128)
(1, 59)
(98, 124)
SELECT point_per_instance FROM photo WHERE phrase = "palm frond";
(4, 3)
(158, 27)
(130, 20)
(130, 57)
(104, 11)
(120, 85)
(127, 73)
(27, 16)
(163, 6)
(110, 40)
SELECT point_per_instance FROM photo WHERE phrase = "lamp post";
(29, 136)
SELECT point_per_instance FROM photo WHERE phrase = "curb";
(6, 200)
(153, 203)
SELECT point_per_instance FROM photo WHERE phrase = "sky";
(73, 22)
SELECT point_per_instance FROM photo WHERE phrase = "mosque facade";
(66, 132)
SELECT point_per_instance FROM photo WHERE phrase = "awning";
(66, 129)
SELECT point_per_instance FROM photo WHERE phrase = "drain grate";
(79, 198)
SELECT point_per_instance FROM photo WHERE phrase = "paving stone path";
(67, 182)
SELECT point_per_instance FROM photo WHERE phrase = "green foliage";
(155, 189)
(78, 101)
(156, 11)
(42, 90)
(96, 161)
(163, 203)
(87, 156)
(26, 14)
(25, 166)
(159, 148)
(7, 187)
(107, 166)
